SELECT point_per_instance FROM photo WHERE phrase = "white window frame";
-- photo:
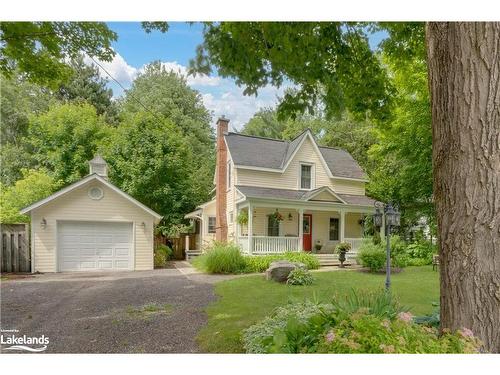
(313, 176)
(208, 224)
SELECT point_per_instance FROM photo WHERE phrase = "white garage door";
(88, 246)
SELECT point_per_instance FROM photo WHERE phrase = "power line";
(125, 90)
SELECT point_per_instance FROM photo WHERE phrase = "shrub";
(336, 328)
(371, 256)
(221, 258)
(260, 263)
(378, 303)
(418, 262)
(398, 246)
(166, 250)
(365, 333)
(159, 258)
(259, 338)
(422, 250)
(300, 276)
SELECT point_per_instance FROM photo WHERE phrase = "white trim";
(319, 206)
(82, 182)
(312, 177)
(316, 148)
(32, 241)
(326, 188)
(263, 169)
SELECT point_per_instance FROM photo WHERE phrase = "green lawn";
(247, 300)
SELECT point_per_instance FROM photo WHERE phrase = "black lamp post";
(392, 219)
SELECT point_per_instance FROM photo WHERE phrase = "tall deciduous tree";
(153, 161)
(332, 62)
(65, 138)
(464, 80)
(86, 85)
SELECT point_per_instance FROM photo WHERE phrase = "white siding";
(76, 205)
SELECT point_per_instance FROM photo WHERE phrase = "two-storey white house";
(292, 195)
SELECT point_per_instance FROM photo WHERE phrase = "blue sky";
(135, 48)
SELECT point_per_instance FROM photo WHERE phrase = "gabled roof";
(274, 155)
(301, 195)
(82, 182)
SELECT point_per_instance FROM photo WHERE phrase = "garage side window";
(211, 224)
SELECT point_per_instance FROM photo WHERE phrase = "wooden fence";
(178, 244)
(15, 256)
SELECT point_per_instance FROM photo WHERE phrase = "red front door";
(307, 232)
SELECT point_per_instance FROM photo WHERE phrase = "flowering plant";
(277, 216)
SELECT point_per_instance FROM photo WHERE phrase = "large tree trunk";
(464, 81)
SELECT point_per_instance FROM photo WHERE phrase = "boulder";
(279, 270)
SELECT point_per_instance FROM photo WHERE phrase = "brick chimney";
(221, 181)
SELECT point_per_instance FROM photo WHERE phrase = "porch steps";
(328, 259)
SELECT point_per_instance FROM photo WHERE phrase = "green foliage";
(259, 337)
(329, 62)
(422, 249)
(365, 333)
(260, 263)
(33, 186)
(343, 247)
(300, 276)
(376, 302)
(65, 138)
(85, 85)
(351, 326)
(39, 49)
(221, 258)
(371, 256)
(151, 160)
(242, 218)
(160, 258)
(165, 250)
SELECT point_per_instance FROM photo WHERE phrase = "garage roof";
(83, 181)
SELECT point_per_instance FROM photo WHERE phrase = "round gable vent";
(96, 193)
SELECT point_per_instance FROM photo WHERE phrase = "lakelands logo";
(27, 343)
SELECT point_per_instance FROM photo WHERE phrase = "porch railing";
(355, 244)
(274, 245)
(269, 245)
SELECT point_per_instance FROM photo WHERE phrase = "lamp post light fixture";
(392, 219)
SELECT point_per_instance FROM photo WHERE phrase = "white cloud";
(119, 69)
(221, 96)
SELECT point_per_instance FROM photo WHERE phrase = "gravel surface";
(158, 311)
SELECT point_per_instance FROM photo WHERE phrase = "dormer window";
(305, 176)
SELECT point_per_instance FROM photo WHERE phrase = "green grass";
(245, 301)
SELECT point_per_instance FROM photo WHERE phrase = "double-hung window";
(306, 176)
(334, 229)
(211, 224)
(273, 226)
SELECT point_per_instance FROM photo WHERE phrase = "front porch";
(272, 229)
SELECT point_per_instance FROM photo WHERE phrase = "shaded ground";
(158, 311)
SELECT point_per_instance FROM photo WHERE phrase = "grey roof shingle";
(270, 153)
(300, 195)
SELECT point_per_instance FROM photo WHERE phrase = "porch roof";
(300, 195)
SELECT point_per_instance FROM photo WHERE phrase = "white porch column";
(250, 228)
(342, 225)
(301, 229)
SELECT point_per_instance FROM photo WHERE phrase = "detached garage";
(91, 225)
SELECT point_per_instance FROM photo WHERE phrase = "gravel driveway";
(158, 311)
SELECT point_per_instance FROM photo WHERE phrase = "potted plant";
(318, 245)
(341, 249)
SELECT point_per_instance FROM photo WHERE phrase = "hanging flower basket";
(242, 218)
(277, 216)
